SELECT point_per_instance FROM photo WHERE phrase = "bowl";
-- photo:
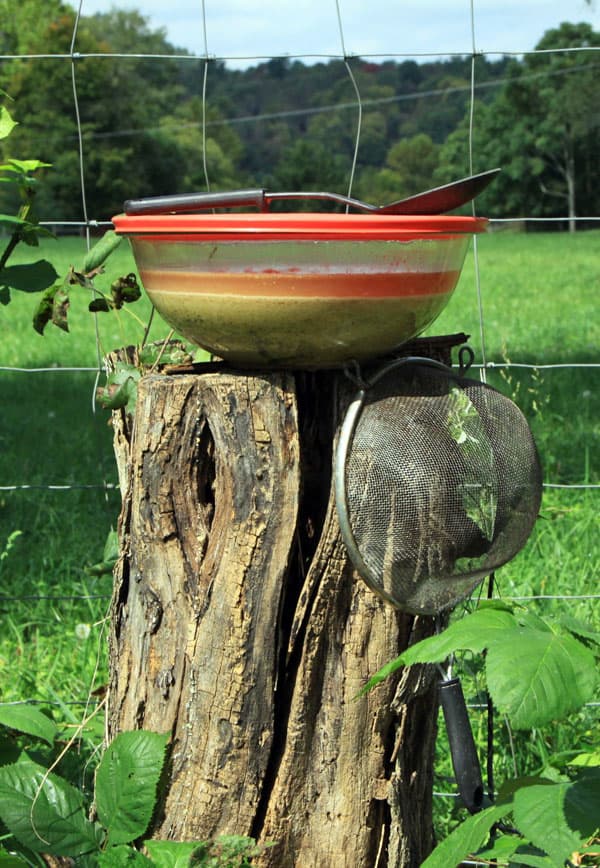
(298, 290)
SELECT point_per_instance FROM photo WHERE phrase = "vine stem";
(12, 243)
(15, 238)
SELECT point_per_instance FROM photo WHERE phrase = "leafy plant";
(22, 227)
(41, 276)
(536, 671)
(46, 814)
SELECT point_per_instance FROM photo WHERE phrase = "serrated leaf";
(30, 720)
(126, 784)
(531, 858)
(122, 857)
(466, 838)
(539, 815)
(44, 812)
(100, 252)
(579, 629)
(500, 849)
(474, 632)
(171, 854)
(535, 677)
(32, 277)
(511, 785)
(529, 619)
(582, 804)
(9, 750)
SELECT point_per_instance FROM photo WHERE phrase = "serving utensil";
(438, 200)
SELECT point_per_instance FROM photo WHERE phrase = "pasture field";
(539, 295)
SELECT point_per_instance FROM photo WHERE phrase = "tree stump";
(239, 627)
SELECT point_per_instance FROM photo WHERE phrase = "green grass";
(21, 346)
(539, 294)
(51, 433)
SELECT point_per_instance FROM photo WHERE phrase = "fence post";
(239, 627)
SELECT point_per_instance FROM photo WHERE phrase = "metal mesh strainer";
(438, 483)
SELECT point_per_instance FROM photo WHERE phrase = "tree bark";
(239, 627)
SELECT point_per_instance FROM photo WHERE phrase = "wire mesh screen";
(442, 486)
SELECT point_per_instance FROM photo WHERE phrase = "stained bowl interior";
(299, 290)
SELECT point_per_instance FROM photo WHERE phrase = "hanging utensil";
(439, 200)
(437, 483)
(463, 752)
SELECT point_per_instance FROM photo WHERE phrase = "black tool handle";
(189, 202)
(465, 761)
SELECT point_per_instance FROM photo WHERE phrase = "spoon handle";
(188, 202)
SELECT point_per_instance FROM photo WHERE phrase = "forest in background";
(284, 124)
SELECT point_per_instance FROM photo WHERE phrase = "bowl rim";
(272, 226)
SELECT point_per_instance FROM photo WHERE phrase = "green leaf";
(44, 812)
(100, 305)
(13, 223)
(175, 353)
(120, 389)
(32, 277)
(539, 815)
(535, 676)
(109, 556)
(122, 857)
(501, 848)
(582, 804)
(25, 166)
(591, 758)
(532, 858)
(53, 307)
(474, 632)
(7, 124)
(171, 854)
(126, 784)
(466, 838)
(579, 629)
(100, 252)
(30, 720)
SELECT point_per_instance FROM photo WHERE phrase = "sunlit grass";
(539, 295)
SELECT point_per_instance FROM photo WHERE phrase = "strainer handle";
(465, 761)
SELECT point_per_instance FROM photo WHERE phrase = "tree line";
(283, 124)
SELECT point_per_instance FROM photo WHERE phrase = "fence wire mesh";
(18, 484)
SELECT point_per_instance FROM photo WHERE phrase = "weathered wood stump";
(239, 627)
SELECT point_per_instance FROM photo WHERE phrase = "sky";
(259, 28)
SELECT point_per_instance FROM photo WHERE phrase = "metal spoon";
(439, 200)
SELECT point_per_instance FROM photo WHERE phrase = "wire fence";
(354, 108)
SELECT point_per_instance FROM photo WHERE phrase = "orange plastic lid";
(295, 226)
